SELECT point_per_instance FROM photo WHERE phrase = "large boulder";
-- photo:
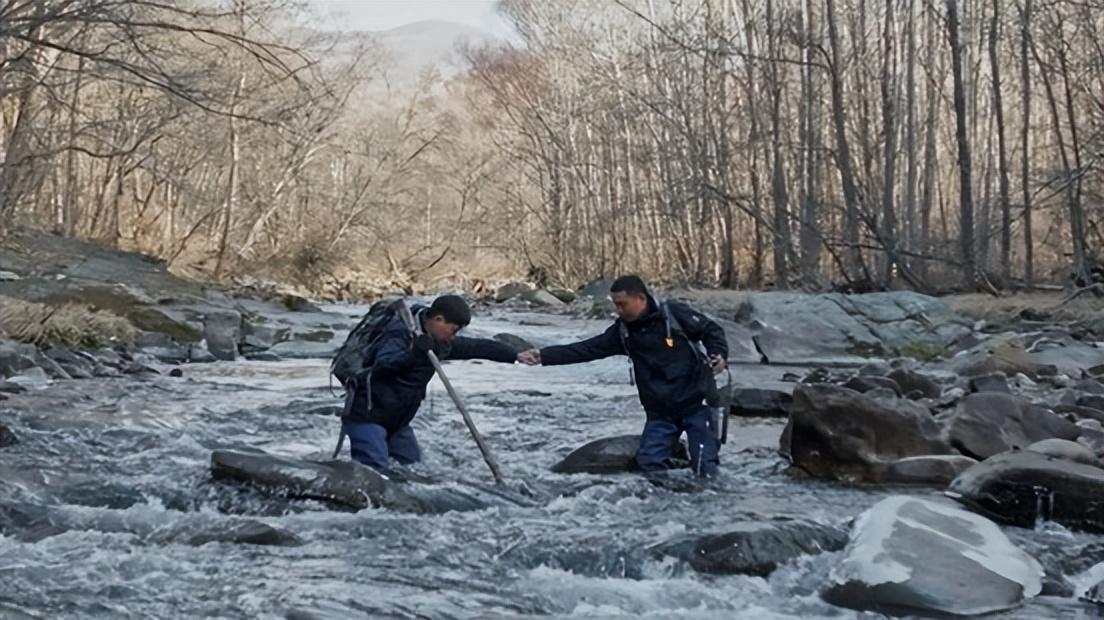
(346, 483)
(516, 343)
(1025, 487)
(753, 547)
(840, 434)
(609, 455)
(1069, 450)
(910, 556)
(783, 347)
(989, 423)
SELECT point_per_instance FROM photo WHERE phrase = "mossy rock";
(920, 350)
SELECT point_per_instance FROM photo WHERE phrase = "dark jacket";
(672, 379)
(400, 373)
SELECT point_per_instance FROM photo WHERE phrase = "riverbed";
(102, 497)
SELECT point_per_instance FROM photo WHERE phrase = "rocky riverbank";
(975, 443)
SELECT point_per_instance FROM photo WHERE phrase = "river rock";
(31, 377)
(565, 295)
(346, 483)
(610, 455)
(222, 330)
(866, 383)
(1023, 487)
(1004, 354)
(910, 382)
(1062, 449)
(10, 387)
(511, 290)
(936, 469)
(989, 423)
(756, 402)
(840, 434)
(752, 547)
(245, 532)
(15, 358)
(77, 365)
(1071, 357)
(7, 437)
(909, 556)
(995, 382)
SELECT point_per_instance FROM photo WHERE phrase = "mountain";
(428, 43)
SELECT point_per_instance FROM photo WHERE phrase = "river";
(111, 478)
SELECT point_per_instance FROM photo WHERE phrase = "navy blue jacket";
(669, 379)
(400, 373)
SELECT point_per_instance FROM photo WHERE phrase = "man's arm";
(481, 349)
(603, 345)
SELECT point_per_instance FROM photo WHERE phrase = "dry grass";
(67, 324)
(984, 306)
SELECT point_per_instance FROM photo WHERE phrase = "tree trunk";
(889, 120)
(1002, 147)
(843, 151)
(966, 199)
(1025, 142)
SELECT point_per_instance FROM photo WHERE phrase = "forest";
(786, 144)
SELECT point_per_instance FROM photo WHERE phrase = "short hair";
(452, 308)
(630, 285)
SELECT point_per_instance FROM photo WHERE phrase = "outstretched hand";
(530, 358)
(718, 363)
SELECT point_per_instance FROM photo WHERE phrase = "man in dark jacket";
(672, 375)
(400, 372)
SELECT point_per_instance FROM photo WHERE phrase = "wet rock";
(222, 331)
(989, 423)
(263, 356)
(912, 556)
(599, 288)
(1003, 354)
(782, 347)
(1095, 594)
(837, 433)
(245, 533)
(995, 382)
(910, 381)
(516, 343)
(261, 337)
(604, 557)
(15, 358)
(541, 298)
(198, 353)
(608, 456)
(753, 547)
(7, 437)
(867, 383)
(512, 290)
(756, 402)
(1089, 386)
(77, 365)
(300, 349)
(102, 370)
(176, 372)
(9, 387)
(1068, 450)
(31, 377)
(936, 470)
(1093, 401)
(563, 294)
(1023, 487)
(52, 368)
(1070, 357)
(347, 483)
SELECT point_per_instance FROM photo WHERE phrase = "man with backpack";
(385, 369)
(674, 377)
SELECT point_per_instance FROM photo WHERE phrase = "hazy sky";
(386, 14)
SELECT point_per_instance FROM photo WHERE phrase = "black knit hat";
(453, 308)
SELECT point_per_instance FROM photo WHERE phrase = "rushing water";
(118, 470)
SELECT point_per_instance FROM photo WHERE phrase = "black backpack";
(355, 358)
